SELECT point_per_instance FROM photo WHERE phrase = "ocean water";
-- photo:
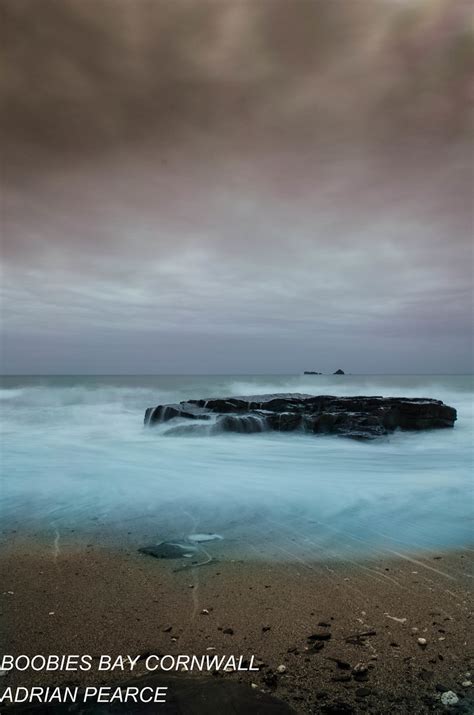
(77, 460)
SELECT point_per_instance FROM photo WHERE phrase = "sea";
(77, 462)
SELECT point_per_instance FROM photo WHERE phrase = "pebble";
(281, 669)
(360, 671)
(228, 631)
(362, 692)
(205, 612)
(422, 641)
(466, 683)
(271, 680)
(254, 685)
(322, 636)
(449, 698)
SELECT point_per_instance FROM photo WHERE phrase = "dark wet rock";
(284, 421)
(163, 413)
(312, 372)
(243, 424)
(228, 631)
(339, 372)
(167, 550)
(356, 417)
(320, 636)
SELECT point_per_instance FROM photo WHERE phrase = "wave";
(76, 455)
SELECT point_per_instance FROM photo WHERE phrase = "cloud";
(262, 175)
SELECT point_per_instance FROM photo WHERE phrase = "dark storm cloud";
(82, 76)
(267, 173)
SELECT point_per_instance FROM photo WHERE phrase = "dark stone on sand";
(360, 638)
(316, 646)
(270, 679)
(363, 692)
(323, 636)
(196, 695)
(228, 631)
(360, 672)
(358, 417)
(342, 664)
(166, 550)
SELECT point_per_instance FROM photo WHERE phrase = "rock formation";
(355, 417)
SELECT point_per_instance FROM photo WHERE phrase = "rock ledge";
(355, 417)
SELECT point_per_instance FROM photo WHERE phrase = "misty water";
(76, 459)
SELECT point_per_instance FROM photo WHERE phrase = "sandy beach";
(347, 634)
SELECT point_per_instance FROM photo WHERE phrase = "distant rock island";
(355, 417)
(313, 372)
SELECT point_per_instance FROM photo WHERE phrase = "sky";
(236, 186)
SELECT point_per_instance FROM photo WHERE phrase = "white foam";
(75, 451)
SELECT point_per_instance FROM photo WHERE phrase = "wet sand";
(346, 632)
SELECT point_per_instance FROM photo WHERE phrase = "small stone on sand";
(449, 698)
